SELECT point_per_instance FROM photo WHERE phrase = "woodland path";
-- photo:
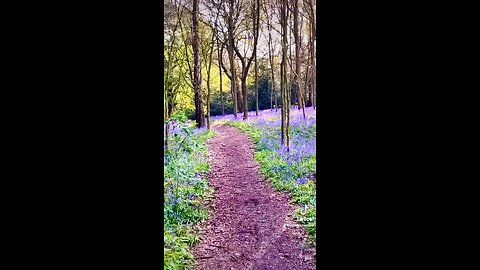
(251, 226)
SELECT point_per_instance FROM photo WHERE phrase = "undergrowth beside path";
(293, 170)
(185, 192)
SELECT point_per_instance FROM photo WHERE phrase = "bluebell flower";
(302, 181)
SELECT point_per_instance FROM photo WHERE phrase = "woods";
(239, 132)
(213, 45)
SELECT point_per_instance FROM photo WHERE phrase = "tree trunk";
(209, 67)
(289, 92)
(297, 54)
(306, 88)
(283, 75)
(231, 58)
(271, 95)
(166, 119)
(312, 53)
(245, 97)
(271, 57)
(200, 117)
(257, 27)
(220, 71)
(239, 96)
(290, 70)
(256, 84)
(233, 82)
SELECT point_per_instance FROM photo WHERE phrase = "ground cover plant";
(290, 170)
(185, 191)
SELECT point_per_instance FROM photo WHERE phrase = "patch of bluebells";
(182, 183)
(290, 169)
(302, 140)
(270, 115)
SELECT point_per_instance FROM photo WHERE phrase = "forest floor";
(251, 226)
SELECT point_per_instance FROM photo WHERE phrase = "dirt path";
(250, 227)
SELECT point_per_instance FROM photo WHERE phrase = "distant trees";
(244, 59)
(271, 54)
(276, 37)
(172, 61)
(225, 27)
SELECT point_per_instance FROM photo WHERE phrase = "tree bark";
(209, 67)
(200, 117)
(256, 85)
(221, 84)
(312, 52)
(239, 94)
(297, 55)
(166, 119)
(271, 57)
(284, 93)
(257, 24)
(233, 84)
(231, 57)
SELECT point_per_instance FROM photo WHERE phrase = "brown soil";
(251, 226)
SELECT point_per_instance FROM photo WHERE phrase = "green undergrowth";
(285, 172)
(186, 193)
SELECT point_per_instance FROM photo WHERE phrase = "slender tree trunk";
(305, 86)
(275, 95)
(288, 71)
(165, 111)
(270, 57)
(312, 72)
(289, 92)
(233, 84)
(256, 84)
(220, 71)
(208, 98)
(312, 52)
(291, 80)
(239, 95)
(245, 97)
(233, 81)
(257, 27)
(209, 67)
(221, 93)
(244, 105)
(200, 117)
(271, 95)
(167, 133)
(297, 54)
(231, 57)
(284, 92)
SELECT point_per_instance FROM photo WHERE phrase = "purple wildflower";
(302, 181)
